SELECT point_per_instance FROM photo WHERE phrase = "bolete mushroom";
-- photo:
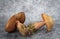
(47, 20)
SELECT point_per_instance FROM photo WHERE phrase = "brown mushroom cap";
(48, 20)
(21, 17)
(11, 24)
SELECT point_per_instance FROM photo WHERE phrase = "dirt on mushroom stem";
(33, 27)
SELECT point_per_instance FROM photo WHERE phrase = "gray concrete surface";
(33, 10)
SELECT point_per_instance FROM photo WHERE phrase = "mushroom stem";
(21, 28)
(34, 27)
(39, 24)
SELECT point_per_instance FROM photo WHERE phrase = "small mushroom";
(48, 21)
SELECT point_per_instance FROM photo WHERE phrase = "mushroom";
(47, 20)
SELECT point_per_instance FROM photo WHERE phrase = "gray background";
(33, 10)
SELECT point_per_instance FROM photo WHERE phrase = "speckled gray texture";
(33, 10)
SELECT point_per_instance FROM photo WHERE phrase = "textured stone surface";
(33, 10)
